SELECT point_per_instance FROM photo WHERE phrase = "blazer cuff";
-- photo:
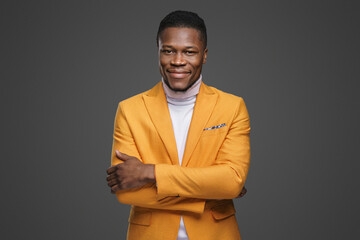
(165, 188)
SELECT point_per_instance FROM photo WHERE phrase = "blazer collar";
(204, 106)
(156, 104)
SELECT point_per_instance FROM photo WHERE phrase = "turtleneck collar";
(191, 92)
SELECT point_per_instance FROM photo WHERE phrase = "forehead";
(180, 36)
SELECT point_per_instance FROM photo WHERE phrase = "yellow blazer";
(215, 165)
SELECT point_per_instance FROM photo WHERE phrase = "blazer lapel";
(204, 106)
(156, 104)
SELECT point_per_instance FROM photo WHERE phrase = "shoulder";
(225, 95)
(132, 101)
(137, 101)
(225, 99)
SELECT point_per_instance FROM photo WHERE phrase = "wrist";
(149, 173)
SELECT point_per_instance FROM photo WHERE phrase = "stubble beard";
(180, 90)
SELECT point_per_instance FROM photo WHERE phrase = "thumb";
(121, 156)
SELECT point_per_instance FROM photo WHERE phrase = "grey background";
(66, 64)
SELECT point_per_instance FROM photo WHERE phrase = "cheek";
(162, 64)
(163, 60)
(196, 64)
(162, 68)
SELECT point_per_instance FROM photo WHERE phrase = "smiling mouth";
(178, 74)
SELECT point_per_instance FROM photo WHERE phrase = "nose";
(178, 60)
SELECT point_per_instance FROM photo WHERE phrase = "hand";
(130, 174)
(242, 193)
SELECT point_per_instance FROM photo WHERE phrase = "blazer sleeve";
(222, 180)
(145, 196)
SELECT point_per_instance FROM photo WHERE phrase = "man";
(181, 150)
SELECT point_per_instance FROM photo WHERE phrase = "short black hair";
(183, 19)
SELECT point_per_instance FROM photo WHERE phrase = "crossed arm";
(133, 173)
(134, 181)
(159, 186)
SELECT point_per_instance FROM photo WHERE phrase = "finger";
(115, 188)
(111, 169)
(110, 177)
(112, 182)
(243, 192)
(118, 154)
(121, 156)
(112, 189)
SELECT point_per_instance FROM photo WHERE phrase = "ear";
(205, 55)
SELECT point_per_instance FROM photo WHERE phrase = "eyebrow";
(170, 46)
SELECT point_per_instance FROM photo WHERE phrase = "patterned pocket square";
(215, 127)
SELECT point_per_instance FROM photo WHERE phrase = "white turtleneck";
(181, 106)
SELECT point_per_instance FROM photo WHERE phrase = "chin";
(180, 87)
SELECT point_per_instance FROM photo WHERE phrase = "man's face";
(181, 56)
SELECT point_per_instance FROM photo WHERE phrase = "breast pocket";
(211, 131)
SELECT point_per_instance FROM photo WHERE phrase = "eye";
(167, 51)
(190, 53)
